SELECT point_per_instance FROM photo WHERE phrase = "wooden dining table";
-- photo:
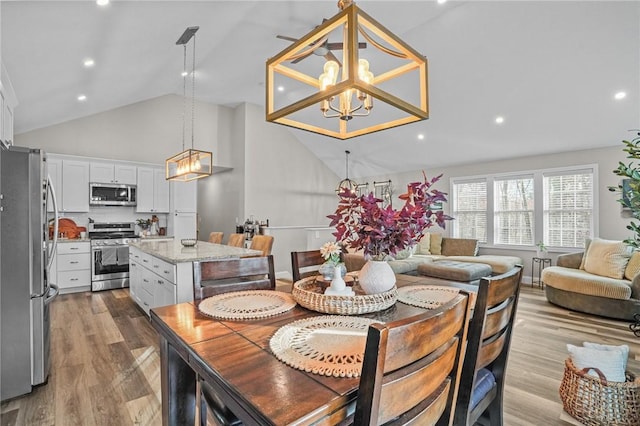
(235, 359)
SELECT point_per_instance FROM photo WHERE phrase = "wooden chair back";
(411, 366)
(264, 243)
(236, 240)
(305, 260)
(216, 237)
(222, 276)
(488, 345)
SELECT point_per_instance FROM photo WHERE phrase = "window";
(470, 210)
(568, 209)
(513, 211)
(556, 206)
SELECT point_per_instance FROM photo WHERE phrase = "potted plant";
(362, 224)
(630, 190)
(541, 249)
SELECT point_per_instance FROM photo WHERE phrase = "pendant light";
(191, 163)
(346, 183)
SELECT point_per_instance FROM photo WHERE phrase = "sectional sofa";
(436, 248)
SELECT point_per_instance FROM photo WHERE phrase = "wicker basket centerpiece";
(308, 292)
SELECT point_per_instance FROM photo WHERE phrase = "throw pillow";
(607, 258)
(436, 244)
(633, 267)
(610, 363)
(424, 245)
(622, 348)
(587, 243)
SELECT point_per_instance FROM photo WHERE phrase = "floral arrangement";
(362, 224)
(331, 252)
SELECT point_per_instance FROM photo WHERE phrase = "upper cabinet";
(113, 173)
(153, 190)
(8, 102)
(184, 197)
(75, 186)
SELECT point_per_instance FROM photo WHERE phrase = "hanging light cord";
(347, 164)
(184, 92)
(193, 90)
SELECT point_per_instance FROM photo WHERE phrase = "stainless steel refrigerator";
(25, 261)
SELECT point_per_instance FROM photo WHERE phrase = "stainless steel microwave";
(109, 194)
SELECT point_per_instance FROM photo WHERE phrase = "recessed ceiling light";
(420, 136)
(102, 2)
(442, 1)
(620, 95)
(88, 62)
(184, 74)
(280, 88)
(499, 119)
(82, 98)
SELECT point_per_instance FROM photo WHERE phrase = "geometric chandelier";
(191, 163)
(376, 83)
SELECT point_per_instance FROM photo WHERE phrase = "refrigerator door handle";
(49, 297)
(52, 252)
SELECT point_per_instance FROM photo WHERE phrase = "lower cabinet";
(151, 280)
(73, 266)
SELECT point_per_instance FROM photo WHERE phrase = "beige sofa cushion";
(435, 244)
(424, 245)
(607, 258)
(633, 267)
(499, 264)
(583, 282)
(459, 247)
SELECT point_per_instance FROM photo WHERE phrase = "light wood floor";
(105, 365)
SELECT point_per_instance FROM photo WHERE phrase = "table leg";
(178, 383)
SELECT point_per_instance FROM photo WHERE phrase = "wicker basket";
(594, 401)
(308, 293)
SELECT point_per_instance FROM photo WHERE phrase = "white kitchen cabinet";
(112, 173)
(151, 280)
(75, 186)
(54, 169)
(153, 190)
(184, 197)
(73, 266)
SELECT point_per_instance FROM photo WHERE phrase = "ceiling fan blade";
(286, 38)
(338, 46)
(299, 58)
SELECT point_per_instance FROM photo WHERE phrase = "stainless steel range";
(110, 254)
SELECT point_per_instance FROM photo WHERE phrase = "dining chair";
(410, 368)
(264, 243)
(222, 276)
(216, 237)
(305, 263)
(236, 240)
(480, 398)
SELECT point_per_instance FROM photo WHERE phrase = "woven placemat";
(248, 304)
(426, 296)
(329, 345)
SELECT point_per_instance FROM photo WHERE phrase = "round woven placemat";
(329, 345)
(428, 297)
(248, 304)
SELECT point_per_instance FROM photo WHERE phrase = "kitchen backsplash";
(112, 214)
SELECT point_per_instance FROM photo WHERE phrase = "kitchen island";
(161, 272)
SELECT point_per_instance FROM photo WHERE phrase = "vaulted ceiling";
(550, 68)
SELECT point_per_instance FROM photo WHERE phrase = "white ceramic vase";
(376, 277)
(338, 285)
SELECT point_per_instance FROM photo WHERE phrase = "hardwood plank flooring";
(106, 365)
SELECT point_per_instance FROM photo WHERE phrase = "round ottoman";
(455, 271)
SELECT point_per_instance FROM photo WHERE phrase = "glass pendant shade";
(189, 165)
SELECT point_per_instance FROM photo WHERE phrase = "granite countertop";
(72, 240)
(174, 252)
